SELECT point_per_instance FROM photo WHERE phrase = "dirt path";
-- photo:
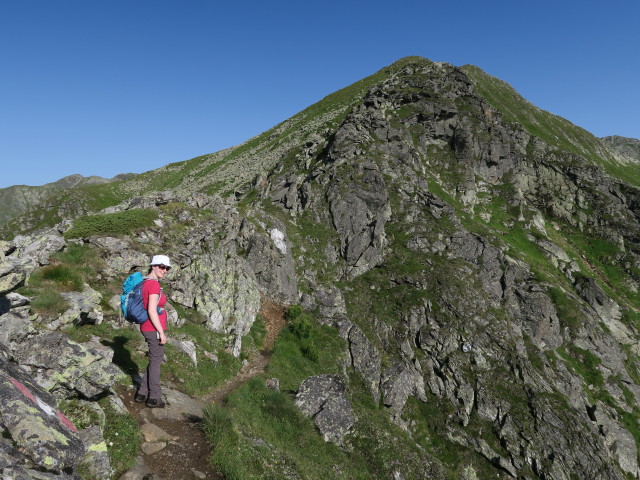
(174, 445)
(274, 321)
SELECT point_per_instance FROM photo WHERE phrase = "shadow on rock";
(122, 356)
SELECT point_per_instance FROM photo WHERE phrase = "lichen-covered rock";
(323, 398)
(185, 346)
(96, 460)
(22, 473)
(270, 258)
(11, 276)
(35, 250)
(66, 368)
(119, 257)
(84, 308)
(222, 287)
(6, 247)
(18, 304)
(14, 330)
(30, 416)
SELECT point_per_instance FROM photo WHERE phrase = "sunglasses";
(163, 267)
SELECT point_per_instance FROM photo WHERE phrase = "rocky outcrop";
(44, 438)
(33, 251)
(323, 398)
(624, 149)
(84, 308)
(223, 288)
(11, 277)
(271, 261)
(118, 255)
(365, 358)
(15, 329)
(66, 368)
(359, 207)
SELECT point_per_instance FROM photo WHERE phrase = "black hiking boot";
(155, 403)
(139, 398)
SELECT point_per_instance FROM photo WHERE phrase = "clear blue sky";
(106, 87)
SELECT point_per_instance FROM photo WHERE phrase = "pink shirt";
(150, 287)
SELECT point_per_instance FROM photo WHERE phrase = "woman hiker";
(153, 330)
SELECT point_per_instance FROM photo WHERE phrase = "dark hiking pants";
(150, 385)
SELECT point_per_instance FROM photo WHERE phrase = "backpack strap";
(160, 309)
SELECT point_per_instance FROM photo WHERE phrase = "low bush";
(293, 312)
(121, 223)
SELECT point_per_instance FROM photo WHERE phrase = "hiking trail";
(174, 446)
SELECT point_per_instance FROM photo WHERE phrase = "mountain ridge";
(460, 269)
(19, 198)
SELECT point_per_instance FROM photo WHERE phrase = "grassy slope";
(551, 129)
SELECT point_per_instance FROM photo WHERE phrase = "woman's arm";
(152, 310)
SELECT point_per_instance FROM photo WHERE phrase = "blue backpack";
(131, 299)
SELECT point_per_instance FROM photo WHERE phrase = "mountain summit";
(460, 270)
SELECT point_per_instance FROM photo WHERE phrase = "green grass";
(66, 277)
(98, 197)
(378, 443)
(254, 340)
(292, 364)
(79, 413)
(568, 310)
(123, 438)
(200, 379)
(262, 435)
(81, 257)
(45, 285)
(121, 223)
(584, 363)
(46, 302)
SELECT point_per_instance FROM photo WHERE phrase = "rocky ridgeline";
(434, 237)
(623, 148)
(484, 339)
(40, 364)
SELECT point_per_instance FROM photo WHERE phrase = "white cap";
(160, 260)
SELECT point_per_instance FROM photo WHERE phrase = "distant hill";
(19, 198)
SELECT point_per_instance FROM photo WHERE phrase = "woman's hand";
(163, 337)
